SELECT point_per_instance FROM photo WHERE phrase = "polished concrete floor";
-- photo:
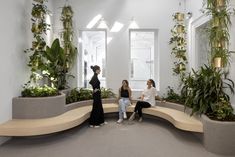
(151, 138)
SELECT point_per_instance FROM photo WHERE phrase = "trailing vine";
(67, 41)
(178, 42)
(39, 28)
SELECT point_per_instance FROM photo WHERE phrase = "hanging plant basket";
(220, 3)
(180, 29)
(215, 22)
(218, 62)
(179, 16)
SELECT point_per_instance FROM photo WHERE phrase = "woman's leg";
(120, 108)
(140, 105)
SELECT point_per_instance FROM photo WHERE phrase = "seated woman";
(147, 100)
(124, 99)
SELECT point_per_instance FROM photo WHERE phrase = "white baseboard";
(4, 139)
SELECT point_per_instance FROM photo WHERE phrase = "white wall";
(155, 14)
(15, 38)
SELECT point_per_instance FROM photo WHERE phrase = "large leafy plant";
(205, 91)
(55, 67)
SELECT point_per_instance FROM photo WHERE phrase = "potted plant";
(206, 93)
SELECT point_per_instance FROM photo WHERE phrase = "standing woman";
(97, 113)
(147, 100)
(124, 99)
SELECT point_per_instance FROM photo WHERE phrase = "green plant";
(86, 94)
(205, 89)
(219, 30)
(172, 96)
(39, 28)
(67, 36)
(37, 91)
(55, 67)
(107, 93)
(178, 42)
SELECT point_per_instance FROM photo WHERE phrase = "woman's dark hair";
(95, 67)
(153, 83)
(127, 83)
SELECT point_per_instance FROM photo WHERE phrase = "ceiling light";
(102, 24)
(133, 24)
(94, 21)
(116, 27)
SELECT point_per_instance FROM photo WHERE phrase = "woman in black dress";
(97, 113)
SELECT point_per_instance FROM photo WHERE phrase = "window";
(143, 56)
(93, 48)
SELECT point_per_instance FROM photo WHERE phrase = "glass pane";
(142, 58)
(93, 53)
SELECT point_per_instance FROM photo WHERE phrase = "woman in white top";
(147, 99)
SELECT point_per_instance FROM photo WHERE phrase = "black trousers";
(139, 105)
(97, 112)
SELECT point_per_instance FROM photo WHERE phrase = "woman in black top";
(124, 99)
(97, 113)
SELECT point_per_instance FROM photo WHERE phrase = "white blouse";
(149, 95)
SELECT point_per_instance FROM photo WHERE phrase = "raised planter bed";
(219, 137)
(39, 107)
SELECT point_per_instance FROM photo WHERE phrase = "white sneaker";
(124, 115)
(91, 126)
(119, 121)
(141, 119)
(96, 126)
(104, 123)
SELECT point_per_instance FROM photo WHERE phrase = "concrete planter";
(219, 137)
(39, 107)
(87, 102)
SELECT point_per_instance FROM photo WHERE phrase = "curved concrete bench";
(72, 118)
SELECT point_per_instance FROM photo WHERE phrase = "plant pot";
(218, 62)
(219, 137)
(215, 22)
(38, 107)
(180, 29)
(179, 16)
(220, 3)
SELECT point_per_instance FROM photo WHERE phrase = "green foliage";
(178, 42)
(172, 96)
(55, 67)
(39, 28)
(67, 36)
(219, 29)
(205, 90)
(222, 111)
(43, 91)
(107, 93)
(86, 94)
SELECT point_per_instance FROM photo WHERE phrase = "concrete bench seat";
(72, 118)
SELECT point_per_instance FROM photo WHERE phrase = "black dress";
(97, 113)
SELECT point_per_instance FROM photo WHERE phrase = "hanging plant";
(39, 28)
(219, 31)
(178, 42)
(67, 38)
